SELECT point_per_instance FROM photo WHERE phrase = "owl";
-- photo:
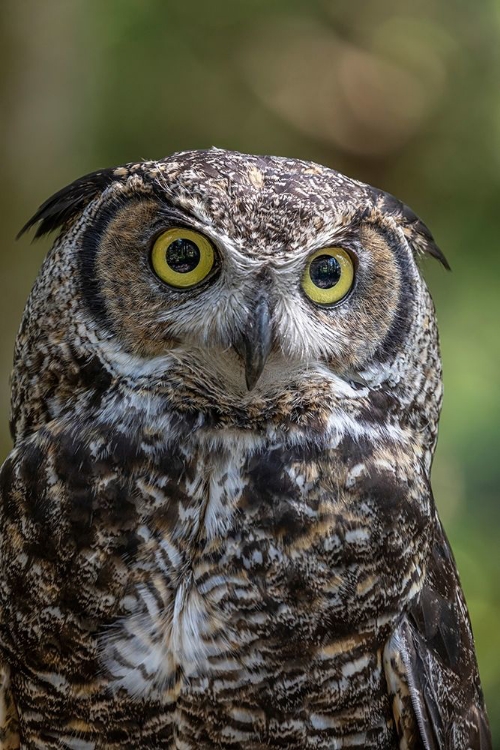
(217, 524)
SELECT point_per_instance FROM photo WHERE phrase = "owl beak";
(255, 342)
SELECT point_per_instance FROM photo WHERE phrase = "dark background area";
(403, 95)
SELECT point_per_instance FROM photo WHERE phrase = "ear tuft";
(416, 232)
(67, 203)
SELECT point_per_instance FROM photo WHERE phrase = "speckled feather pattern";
(189, 564)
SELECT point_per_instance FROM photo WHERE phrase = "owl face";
(226, 279)
(247, 268)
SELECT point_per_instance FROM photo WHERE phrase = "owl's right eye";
(182, 258)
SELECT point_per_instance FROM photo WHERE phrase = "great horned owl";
(217, 524)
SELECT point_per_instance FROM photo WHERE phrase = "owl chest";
(247, 550)
(292, 537)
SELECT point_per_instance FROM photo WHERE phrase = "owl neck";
(413, 377)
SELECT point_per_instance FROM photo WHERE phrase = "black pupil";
(183, 255)
(325, 271)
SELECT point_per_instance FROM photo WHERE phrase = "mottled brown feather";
(186, 563)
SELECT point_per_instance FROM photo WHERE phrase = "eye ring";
(182, 258)
(328, 276)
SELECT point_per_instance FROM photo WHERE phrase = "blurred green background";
(403, 95)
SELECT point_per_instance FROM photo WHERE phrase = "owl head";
(227, 282)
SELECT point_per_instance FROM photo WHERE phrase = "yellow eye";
(328, 276)
(182, 258)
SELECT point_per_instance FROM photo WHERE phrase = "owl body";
(218, 529)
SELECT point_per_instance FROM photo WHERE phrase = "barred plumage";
(217, 524)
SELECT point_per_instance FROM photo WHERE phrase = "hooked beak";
(255, 342)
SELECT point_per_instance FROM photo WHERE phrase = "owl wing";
(431, 667)
(9, 725)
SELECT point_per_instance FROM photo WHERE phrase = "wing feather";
(431, 666)
(9, 724)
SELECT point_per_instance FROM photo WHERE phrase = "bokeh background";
(400, 94)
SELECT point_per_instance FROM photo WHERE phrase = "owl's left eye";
(329, 275)
(182, 258)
